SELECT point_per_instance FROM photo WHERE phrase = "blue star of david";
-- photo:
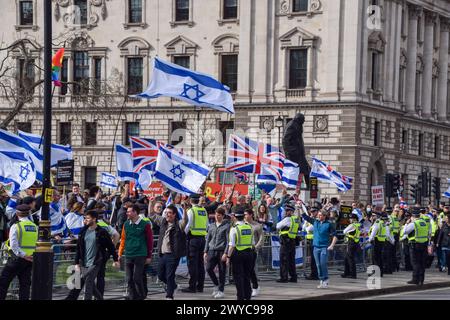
(24, 172)
(188, 94)
(177, 172)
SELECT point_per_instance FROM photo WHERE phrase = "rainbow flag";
(56, 66)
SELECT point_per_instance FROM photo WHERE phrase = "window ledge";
(189, 23)
(27, 26)
(292, 14)
(128, 25)
(221, 22)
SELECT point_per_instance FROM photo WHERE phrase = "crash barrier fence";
(115, 278)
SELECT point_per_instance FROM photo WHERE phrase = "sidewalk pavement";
(339, 288)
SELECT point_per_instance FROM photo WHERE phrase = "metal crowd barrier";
(116, 283)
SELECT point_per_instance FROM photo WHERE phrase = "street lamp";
(42, 276)
(279, 124)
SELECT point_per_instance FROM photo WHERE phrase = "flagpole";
(115, 134)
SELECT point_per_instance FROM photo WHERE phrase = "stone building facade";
(370, 76)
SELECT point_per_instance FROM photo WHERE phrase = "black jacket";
(217, 237)
(444, 236)
(177, 236)
(105, 247)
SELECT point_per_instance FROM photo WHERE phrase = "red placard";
(213, 187)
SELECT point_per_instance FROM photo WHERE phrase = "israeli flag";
(276, 253)
(124, 164)
(74, 222)
(447, 193)
(178, 172)
(17, 171)
(58, 151)
(199, 89)
(108, 181)
(326, 173)
(291, 172)
(11, 142)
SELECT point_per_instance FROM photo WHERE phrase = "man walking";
(21, 245)
(258, 238)
(171, 246)
(136, 244)
(94, 247)
(214, 255)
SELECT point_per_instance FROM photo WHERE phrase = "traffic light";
(396, 183)
(436, 188)
(425, 185)
(389, 178)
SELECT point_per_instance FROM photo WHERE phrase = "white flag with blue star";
(180, 173)
(199, 89)
(108, 181)
(447, 193)
(17, 171)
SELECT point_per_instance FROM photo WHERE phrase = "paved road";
(436, 294)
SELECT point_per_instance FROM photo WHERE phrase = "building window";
(97, 75)
(131, 130)
(135, 11)
(437, 144)
(135, 75)
(177, 132)
(226, 128)
(90, 177)
(183, 61)
(374, 73)
(65, 133)
(82, 5)
(377, 134)
(90, 133)
(26, 13)
(24, 126)
(81, 73)
(26, 77)
(229, 71)
(230, 8)
(420, 144)
(64, 77)
(297, 68)
(182, 10)
(299, 5)
(404, 136)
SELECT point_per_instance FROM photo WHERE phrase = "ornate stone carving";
(435, 68)
(403, 58)
(368, 131)
(69, 17)
(414, 11)
(315, 5)
(419, 63)
(284, 7)
(377, 41)
(320, 124)
(444, 24)
(430, 17)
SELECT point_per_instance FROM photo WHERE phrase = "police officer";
(240, 254)
(21, 245)
(352, 234)
(395, 231)
(288, 228)
(388, 267)
(309, 229)
(377, 236)
(196, 233)
(418, 237)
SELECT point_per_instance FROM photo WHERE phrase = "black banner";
(64, 172)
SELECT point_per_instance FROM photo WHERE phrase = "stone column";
(443, 70)
(430, 19)
(414, 12)
(245, 43)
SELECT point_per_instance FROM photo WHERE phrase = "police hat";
(314, 209)
(195, 196)
(416, 212)
(423, 210)
(388, 210)
(239, 213)
(23, 208)
(289, 206)
(384, 216)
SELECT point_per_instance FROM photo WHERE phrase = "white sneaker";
(255, 292)
(325, 284)
(215, 291)
(320, 286)
(219, 295)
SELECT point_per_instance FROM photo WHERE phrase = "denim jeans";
(441, 253)
(168, 264)
(321, 257)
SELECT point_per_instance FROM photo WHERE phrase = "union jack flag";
(144, 153)
(241, 176)
(246, 155)
(402, 202)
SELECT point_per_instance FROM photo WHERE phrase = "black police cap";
(23, 208)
